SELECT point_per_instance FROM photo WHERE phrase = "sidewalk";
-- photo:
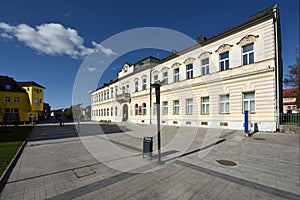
(56, 165)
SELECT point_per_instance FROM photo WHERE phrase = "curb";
(5, 176)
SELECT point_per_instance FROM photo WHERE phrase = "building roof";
(30, 83)
(290, 92)
(14, 85)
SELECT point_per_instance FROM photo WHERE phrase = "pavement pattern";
(56, 164)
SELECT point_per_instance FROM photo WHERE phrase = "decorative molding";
(136, 79)
(248, 39)
(176, 65)
(144, 76)
(189, 60)
(125, 68)
(204, 54)
(164, 69)
(155, 72)
(223, 48)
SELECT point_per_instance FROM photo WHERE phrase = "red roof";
(290, 92)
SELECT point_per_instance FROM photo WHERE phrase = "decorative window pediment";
(189, 60)
(223, 48)
(136, 79)
(164, 69)
(176, 65)
(204, 54)
(248, 39)
(155, 72)
(144, 76)
(125, 68)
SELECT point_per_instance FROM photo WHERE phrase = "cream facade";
(207, 85)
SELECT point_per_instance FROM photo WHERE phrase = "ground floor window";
(224, 104)
(136, 108)
(205, 105)
(176, 107)
(189, 106)
(144, 109)
(165, 108)
(249, 101)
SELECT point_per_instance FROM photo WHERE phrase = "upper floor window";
(107, 111)
(224, 61)
(176, 75)
(111, 111)
(112, 93)
(189, 71)
(7, 99)
(16, 99)
(136, 86)
(165, 78)
(224, 104)
(248, 54)
(116, 111)
(107, 94)
(189, 106)
(205, 66)
(116, 91)
(249, 101)
(8, 86)
(165, 108)
(123, 89)
(144, 84)
(155, 78)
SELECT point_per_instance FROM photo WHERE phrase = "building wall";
(258, 77)
(36, 98)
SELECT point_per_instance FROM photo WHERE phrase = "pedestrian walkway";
(57, 164)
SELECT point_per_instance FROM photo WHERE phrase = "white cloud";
(90, 69)
(51, 39)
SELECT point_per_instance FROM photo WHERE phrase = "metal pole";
(157, 94)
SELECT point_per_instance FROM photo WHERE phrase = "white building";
(207, 85)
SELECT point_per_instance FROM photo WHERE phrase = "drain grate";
(226, 162)
(82, 172)
(259, 138)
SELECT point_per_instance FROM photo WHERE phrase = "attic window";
(8, 86)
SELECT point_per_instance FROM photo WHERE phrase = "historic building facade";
(210, 84)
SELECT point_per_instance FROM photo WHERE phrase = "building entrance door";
(125, 113)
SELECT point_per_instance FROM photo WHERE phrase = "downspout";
(150, 96)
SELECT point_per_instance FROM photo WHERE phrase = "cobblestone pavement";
(56, 164)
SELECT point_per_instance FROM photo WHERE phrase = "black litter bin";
(148, 146)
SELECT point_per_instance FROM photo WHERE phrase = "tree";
(292, 78)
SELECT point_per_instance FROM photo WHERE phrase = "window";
(224, 104)
(107, 94)
(101, 96)
(205, 105)
(224, 61)
(116, 91)
(123, 89)
(189, 71)
(16, 99)
(176, 107)
(8, 86)
(136, 86)
(155, 78)
(7, 99)
(127, 88)
(176, 75)
(165, 78)
(104, 95)
(116, 111)
(189, 106)
(7, 110)
(111, 111)
(16, 110)
(104, 112)
(165, 108)
(107, 111)
(101, 112)
(144, 109)
(248, 54)
(136, 108)
(144, 84)
(205, 66)
(112, 93)
(249, 101)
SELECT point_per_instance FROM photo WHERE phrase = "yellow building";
(20, 101)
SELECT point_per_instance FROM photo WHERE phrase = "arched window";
(136, 109)
(144, 109)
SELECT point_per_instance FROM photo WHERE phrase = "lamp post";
(157, 95)
(78, 122)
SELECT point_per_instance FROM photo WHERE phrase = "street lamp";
(157, 95)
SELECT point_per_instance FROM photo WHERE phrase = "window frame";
(224, 102)
(249, 102)
(165, 108)
(144, 109)
(205, 67)
(176, 107)
(189, 106)
(176, 73)
(144, 85)
(224, 61)
(6, 99)
(136, 86)
(189, 71)
(247, 54)
(165, 78)
(205, 106)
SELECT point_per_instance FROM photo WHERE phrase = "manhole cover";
(85, 171)
(259, 138)
(226, 162)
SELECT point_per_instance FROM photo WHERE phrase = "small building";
(289, 100)
(20, 101)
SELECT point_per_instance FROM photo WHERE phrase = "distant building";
(208, 85)
(20, 101)
(289, 100)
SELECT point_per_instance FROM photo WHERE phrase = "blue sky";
(47, 41)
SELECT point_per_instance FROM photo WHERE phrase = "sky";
(48, 41)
